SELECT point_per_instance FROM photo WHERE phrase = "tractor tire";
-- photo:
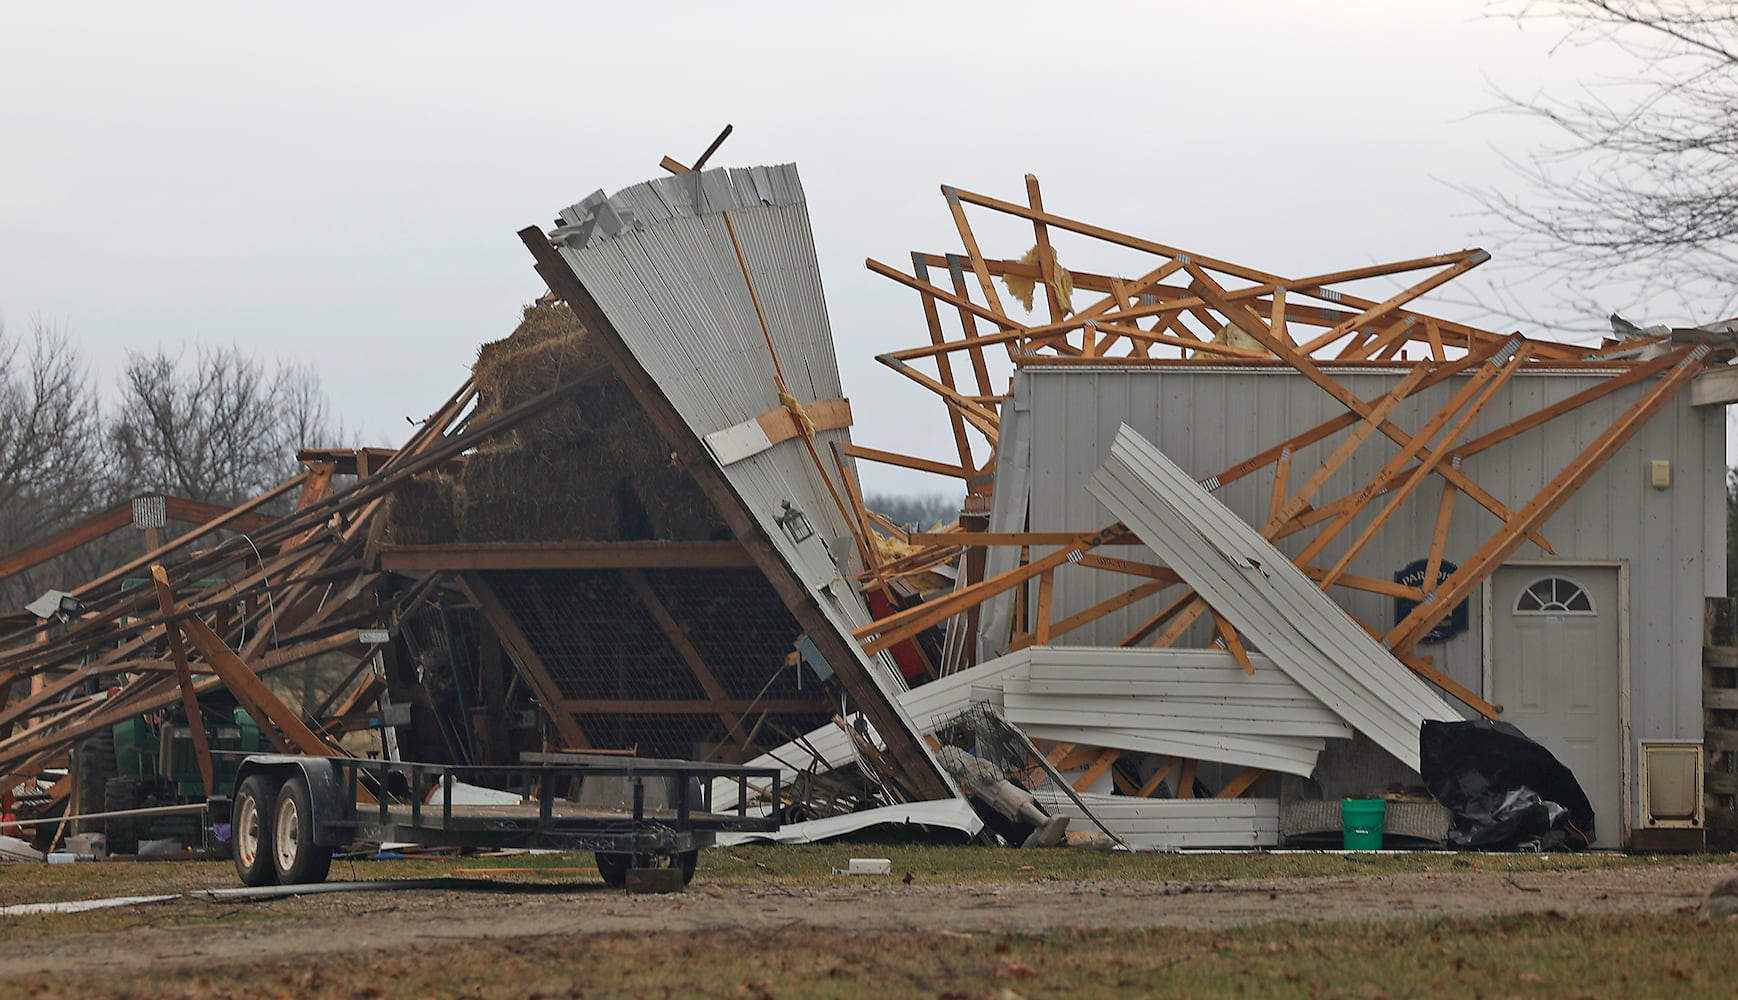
(120, 794)
(295, 857)
(250, 818)
(96, 765)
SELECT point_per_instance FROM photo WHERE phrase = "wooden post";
(184, 678)
(492, 730)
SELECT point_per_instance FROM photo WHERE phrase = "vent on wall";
(1671, 784)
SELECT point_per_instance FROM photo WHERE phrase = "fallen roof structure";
(617, 604)
(640, 526)
(1334, 487)
(700, 341)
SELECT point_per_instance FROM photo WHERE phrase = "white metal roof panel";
(1287, 754)
(929, 705)
(1238, 717)
(1253, 584)
(659, 259)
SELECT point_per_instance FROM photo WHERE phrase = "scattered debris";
(638, 528)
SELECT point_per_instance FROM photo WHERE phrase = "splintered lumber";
(1177, 308)
(267, 708)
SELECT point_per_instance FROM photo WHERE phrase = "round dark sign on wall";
(1412, 575)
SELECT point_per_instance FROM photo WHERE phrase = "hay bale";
(673, 506)
(548, 347)
(516, 494)
(592, 468)
(420, 512)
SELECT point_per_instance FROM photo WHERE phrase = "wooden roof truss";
(1181, 309)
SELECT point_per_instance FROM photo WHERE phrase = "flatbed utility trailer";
(291, 811)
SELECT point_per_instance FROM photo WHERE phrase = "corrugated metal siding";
(1288, 754)
(1196, 703)
(659, 259)
(1673, 539)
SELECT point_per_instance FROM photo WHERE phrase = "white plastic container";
(869, 866)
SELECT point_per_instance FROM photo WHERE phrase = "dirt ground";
(410, 918)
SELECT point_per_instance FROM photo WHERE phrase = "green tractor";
(155, 765)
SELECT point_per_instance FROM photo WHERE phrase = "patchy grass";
(813, 864)
(797, 867)
(1536, 955)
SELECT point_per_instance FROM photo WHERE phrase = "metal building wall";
(1063, 420)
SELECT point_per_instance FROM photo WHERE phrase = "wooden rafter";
(531, 666)
(678, 638)
(184, 680)
(1441, 598)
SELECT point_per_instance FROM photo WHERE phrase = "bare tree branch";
(219, 426)
(51, 472)
(1640, 187)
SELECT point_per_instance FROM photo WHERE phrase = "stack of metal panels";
(1191, 703)
(1175, 824)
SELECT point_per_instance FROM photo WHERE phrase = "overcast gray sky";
(340, 183)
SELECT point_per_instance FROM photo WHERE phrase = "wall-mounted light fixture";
(794, 522)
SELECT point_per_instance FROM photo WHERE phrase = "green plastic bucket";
(1362, 819)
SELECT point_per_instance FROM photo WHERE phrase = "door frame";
(1487, 628)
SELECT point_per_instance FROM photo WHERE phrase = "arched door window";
(1554, 595)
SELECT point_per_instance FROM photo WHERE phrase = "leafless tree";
(1638, 189)
(219, 426)
(52, 471)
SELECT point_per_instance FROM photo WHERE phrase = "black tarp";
(1505, 790)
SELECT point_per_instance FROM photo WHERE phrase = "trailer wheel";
(250, 818)
(614, 867)
(295, 857)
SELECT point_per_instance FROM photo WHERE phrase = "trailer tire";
(250, 818)
(296, 858)
(614, 867)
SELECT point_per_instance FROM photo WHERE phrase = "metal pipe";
(147, 811)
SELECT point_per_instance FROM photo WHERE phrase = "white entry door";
(1554, 671)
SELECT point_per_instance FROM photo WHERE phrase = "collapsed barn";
(1229, 540)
